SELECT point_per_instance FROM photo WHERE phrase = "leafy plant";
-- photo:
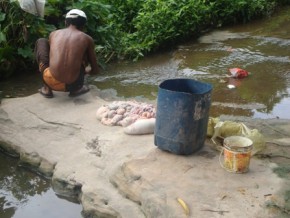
(18, 33)
(122, 29)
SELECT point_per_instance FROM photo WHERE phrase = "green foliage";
(228, 12)
(18, 33)
(162, 23)
(156, 24)
(283, 2)
(122, 28)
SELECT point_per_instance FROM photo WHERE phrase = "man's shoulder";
(73, 35)
(85, 36)
(56, 31)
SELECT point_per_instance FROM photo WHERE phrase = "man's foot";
(45, 92)
(81, 91)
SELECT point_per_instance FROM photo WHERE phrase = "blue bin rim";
(208, 86)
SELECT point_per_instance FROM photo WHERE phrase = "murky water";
(23, 194)
(262, 48)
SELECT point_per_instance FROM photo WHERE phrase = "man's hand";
(88, 69)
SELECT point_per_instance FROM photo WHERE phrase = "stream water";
(24, 194)
(261, 48)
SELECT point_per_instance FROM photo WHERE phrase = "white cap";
(74, 13)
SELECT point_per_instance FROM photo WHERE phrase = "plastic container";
(237, 154)
(182, 115)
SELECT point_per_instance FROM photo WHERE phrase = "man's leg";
(78, 88)
(42, 59)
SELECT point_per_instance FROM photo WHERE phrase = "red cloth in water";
(238, 73)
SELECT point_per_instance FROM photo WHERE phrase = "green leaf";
(2, 16)
(25, 52)
(2, 37)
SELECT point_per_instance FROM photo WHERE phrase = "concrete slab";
(117, 175)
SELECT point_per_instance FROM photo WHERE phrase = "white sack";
(141, 127)
(35, 7)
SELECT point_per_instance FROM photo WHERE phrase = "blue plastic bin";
(182, 115)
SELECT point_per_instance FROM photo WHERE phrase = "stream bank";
(125, 176)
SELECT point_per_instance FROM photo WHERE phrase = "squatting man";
(66, 57)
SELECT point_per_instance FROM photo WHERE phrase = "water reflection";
(261, 48)
(23, 194)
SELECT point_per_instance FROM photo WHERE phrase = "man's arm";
(92, 57)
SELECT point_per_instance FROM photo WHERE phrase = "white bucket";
(237, 154)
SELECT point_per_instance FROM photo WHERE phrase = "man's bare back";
(70, 48)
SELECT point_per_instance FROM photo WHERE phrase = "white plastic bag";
(141, 127)
(35, 7)
(225, 129)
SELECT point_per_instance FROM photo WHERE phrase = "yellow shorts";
(52, 82)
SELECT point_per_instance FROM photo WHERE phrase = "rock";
(129, 176)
